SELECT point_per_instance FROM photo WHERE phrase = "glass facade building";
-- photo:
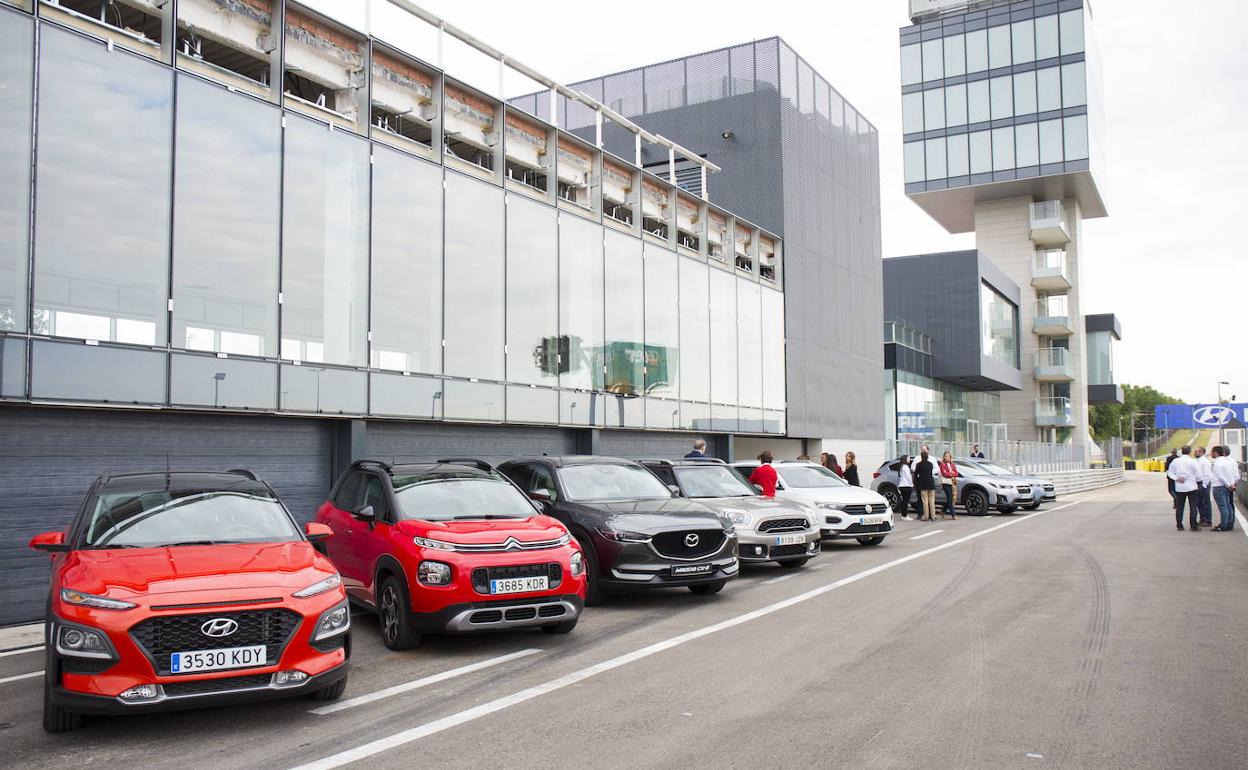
(921, 408)
(178, 233)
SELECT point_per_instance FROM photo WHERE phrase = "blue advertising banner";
(1198, 416)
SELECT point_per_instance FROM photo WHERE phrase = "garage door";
(635, 444)
(423, 442)
(48, 458)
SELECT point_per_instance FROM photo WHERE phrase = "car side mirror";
(758, 488)
(543, 498)
(674, 489)
(49, 542)
(316, 531)
(366, 514)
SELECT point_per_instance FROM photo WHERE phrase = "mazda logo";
(1213, 415)
(691, 540)
(218, 627)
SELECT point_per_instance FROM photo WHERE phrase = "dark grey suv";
(635, 532)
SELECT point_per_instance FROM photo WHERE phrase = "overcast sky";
(1167, 260)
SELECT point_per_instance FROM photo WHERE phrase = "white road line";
(419, 683)
(7, 653)
(31, 675)
(927, 534)
(781, 579)
(1243, 525)
(430, 728)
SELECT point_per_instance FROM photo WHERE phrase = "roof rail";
(478, 464)
(108, 476)
(243, 472)
(371, 464)
(654, 461)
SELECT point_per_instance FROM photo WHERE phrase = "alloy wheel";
(389, 613)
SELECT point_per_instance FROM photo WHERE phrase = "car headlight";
(320, 586)
(737, 516)
(576, 565)
(623, 536)
(434, 573)
(79, 599)
(829, 506)
(437, 545)
(333, 621)
(80, 642)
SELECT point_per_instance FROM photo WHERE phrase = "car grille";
(673, 545)
(485, 617)
(784, 551)
(158, 637)
(481, 576)
(329, 645)
(859, 509)
(865, 529)
(1024, 489)
(209, 686)
(783, 525)
(71, 665)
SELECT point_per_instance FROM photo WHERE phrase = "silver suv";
(978, 490)
(1042, 490)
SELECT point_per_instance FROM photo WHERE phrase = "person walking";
(1225, 474)
(764, 475)
(925, 482)
(1203, 505)
(699, 450)
(949, 483)
(828, 461)
(1174, 455)
(905, 484)
(851, 469)
(976, 454)
(1184, 472)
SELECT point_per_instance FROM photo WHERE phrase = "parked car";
(1042, 490)
(768, 529)
(635, 532)
(179, 590)
(448, 547)
(979, 492)
(846, 510)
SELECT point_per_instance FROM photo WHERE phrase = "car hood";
(486, 531)
(844, 495)
(757, 505)
(201, 573)
(650, 516)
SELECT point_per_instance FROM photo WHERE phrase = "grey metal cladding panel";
(423, 442)
(988, 271)
(49, 457)
(634, 444)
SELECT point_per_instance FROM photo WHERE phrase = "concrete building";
(799, 160)
(1003, 137)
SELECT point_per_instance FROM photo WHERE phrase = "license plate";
(691, 569)
(790, 539)
(213, 660)
(519, 585)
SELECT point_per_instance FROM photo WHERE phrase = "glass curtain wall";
(926, 409)
(17, 68)
(998, 318)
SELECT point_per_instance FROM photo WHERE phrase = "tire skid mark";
(1095, 643)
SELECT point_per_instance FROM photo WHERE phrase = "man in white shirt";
(1184, 472)
(1225, 475)
(1203, 506)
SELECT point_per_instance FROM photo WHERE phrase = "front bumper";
(838, 524)
(500, 614)
(755, 547)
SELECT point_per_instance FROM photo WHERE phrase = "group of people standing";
(1192, 477)
(925, 476)
(849, 472)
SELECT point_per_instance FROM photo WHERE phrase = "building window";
(1025, 142)
(662, 322)
(695, 331)
(998, 319)
(1077, 137)
(959, 155)
(1051, 142)
(981, 152)
(1023, 34)
(1002, 97)
(1049, 88)
(977, 51)
(936, 168)
(1046, 38)
(749, 345)
(912, 153)
(1002, 149)
(933, 60)
(723, 338)
(474, 281)
(911, 64)
(934, 109)
(1025, 93)
(581, 302)
(955, 105)
(955, 55)
(1072, 32)
(978, 106)
(102, 184)
(16, 68)
(1074, 85)
(625, 316)
(912, 112)
(999, 46)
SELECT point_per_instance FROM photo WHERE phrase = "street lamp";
(433, 405)
(216, 388)
(1222, 424)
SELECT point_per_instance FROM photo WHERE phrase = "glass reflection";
(102, 186)
(322, 389)
(999, 326)
(625, 315)
(532, 405)
(474, 279)
(533, 342)
(583, 407)
(393, 395)
(723, 338)
(407, 264)
(695, 331)
(662, 322)
(93, 373)
(16, 69)
(221, 382)
(225, 237)
(580, 302)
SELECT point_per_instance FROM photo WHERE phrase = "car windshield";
(809, 476)
(713, 481)
(969, 470)
(994, 469)
(602, 482)
(171, 517)
(448, 496)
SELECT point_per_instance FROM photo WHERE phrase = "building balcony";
(1054, 413)
(1048, 224)
(1052, 317)
(1108, 393)
(1053, 365)
(1048, 270)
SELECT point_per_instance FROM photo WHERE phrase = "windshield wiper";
(479, 516)
(198, 542)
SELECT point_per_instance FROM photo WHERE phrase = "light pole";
(1222, 423)
(433, 406)
(216, 388)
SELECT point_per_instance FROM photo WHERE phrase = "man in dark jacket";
(699, 450)
(1174, 453)
(925, 482)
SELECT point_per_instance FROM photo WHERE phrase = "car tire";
(397, 631)
(594, 594)
(890, 493)
(870, 540)
(1033, 506)
(708, 589)
(560, 628)
(55, 718)
(332, 692)
(976, 502)
(794, 563)
(1006, 510)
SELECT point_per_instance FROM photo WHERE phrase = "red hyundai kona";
(178, 590)
(449, 547)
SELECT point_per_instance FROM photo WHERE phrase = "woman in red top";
(765, 475)
(948, 482)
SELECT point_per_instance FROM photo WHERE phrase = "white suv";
(843, 510)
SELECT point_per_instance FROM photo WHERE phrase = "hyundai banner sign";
(1198, 416)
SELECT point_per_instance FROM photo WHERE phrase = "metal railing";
(1053, 358)
(1054, 412)
(1053, 306)
(1050, 260)
(1045, 211)
(1018, 456)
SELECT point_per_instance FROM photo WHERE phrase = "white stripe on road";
(31, 675)
(7, 653)
(781, 579)
(419, 683)
(927, 534)
(438, 725)
(1243, 525)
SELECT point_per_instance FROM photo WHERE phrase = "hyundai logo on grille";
(691, 539)
(218, 627)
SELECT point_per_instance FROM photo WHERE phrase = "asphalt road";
(1088, 635)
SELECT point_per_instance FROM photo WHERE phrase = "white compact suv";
(843, 510)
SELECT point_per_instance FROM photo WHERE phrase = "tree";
(1104, 418)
